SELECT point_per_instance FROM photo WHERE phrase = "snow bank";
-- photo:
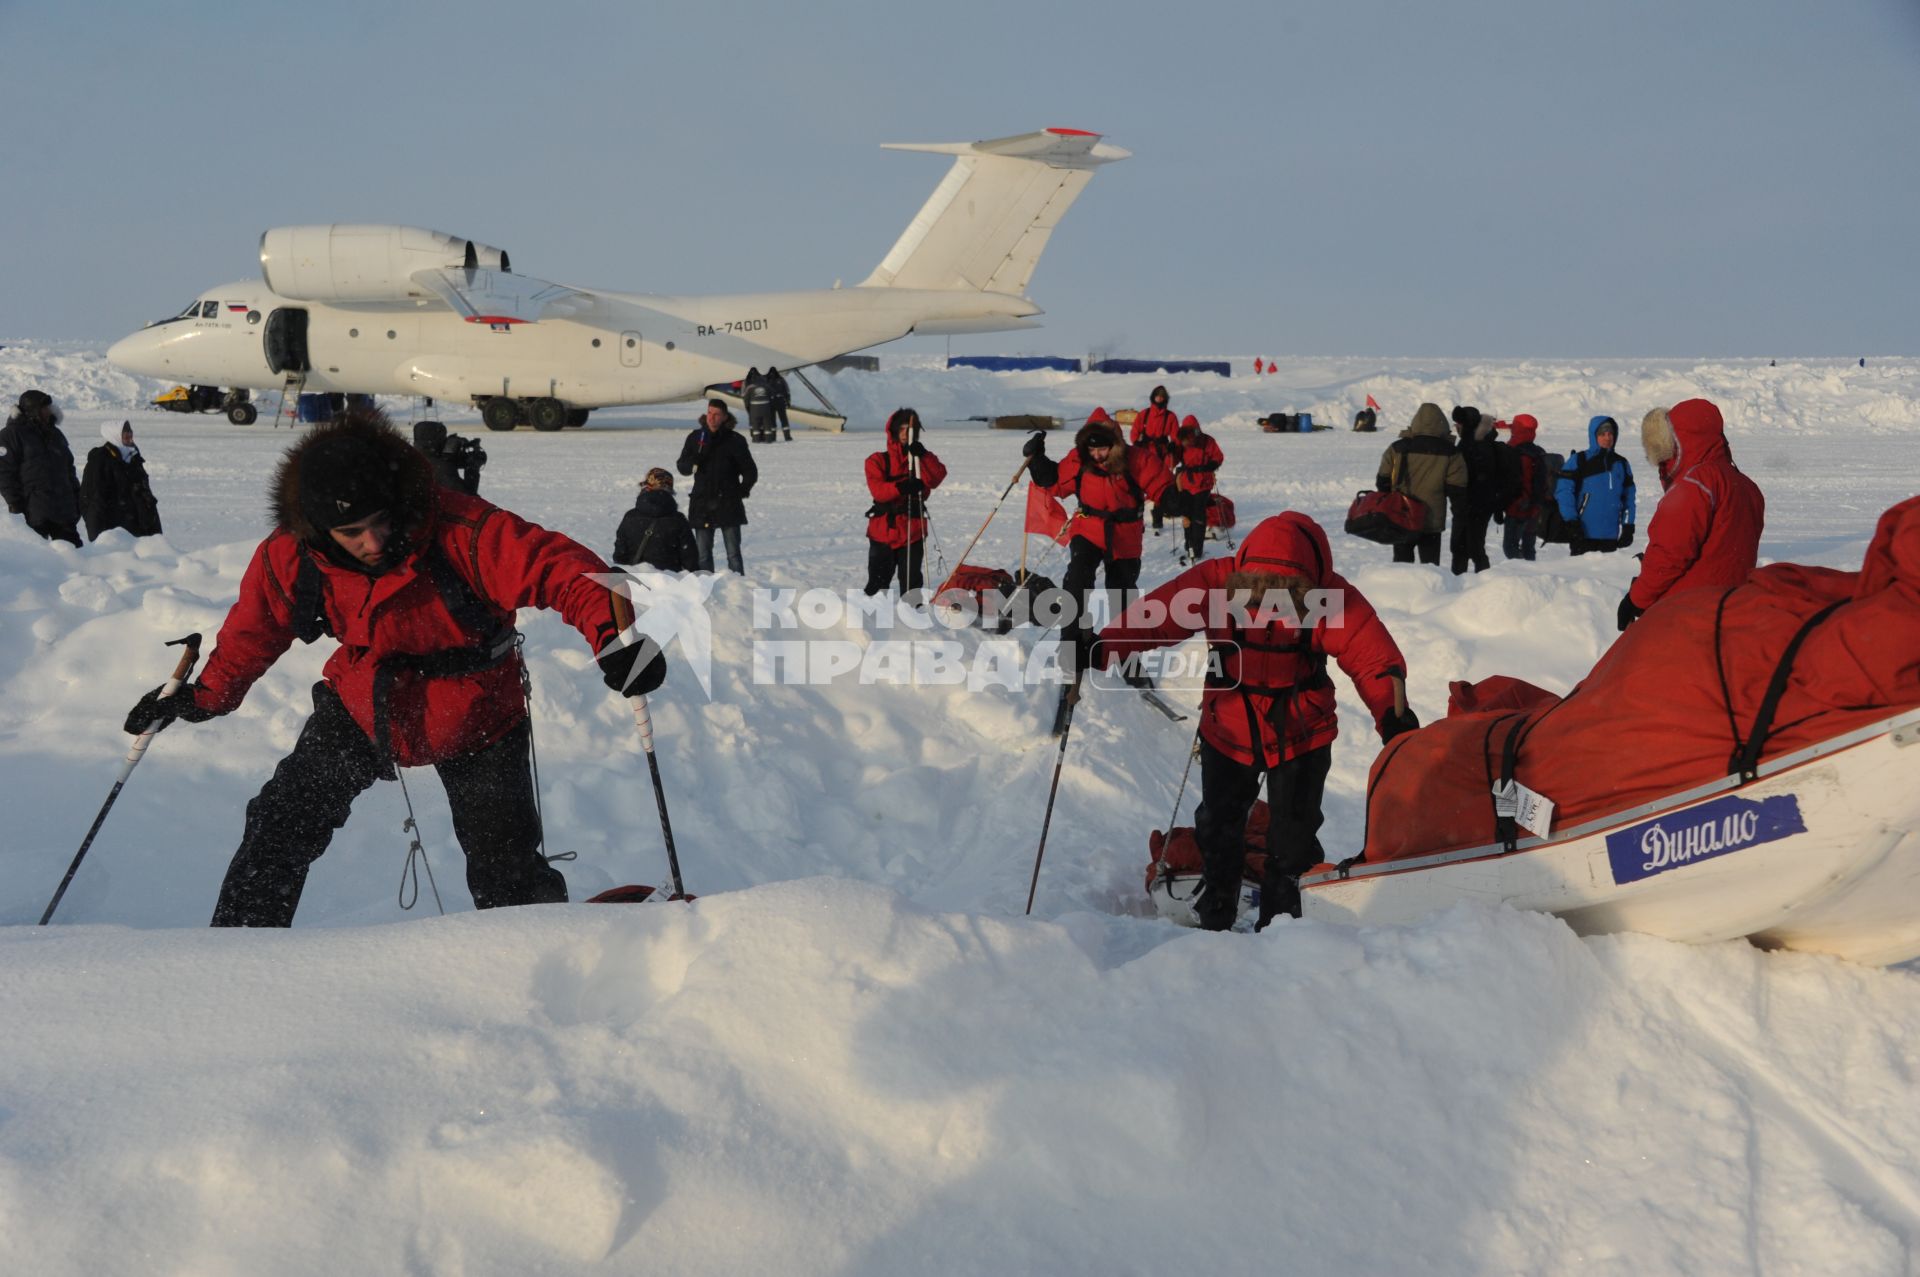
(816, 1077)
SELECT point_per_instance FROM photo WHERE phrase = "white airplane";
(399, 310)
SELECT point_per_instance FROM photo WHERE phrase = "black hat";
(1466, 415)
(34, 400)
(343, 478)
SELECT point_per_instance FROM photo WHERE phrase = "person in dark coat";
(419, 586)
(1475, 508)
(723, 473)
(114, 491)
(757, 398)
(654, 534)
(782, 396)
(36, 469)
(456, 460)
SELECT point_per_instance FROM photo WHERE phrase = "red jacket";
(1112, 500)
(1156, 427)
(1275, 684)
(1706, 529)
(1198, 459)
(506, 562)
(890, 522)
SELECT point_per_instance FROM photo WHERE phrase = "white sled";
(1821, 852)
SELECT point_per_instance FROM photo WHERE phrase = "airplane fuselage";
(616, 348)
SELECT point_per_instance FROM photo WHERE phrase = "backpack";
(1556, 528)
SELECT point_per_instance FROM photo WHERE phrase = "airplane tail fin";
(984, 226)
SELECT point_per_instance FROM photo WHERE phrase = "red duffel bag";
(1220, 512)
(1389, 518)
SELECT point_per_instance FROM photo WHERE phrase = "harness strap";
(496, 644)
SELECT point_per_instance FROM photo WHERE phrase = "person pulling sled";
(419, 585)
(1198, 455)
(1268, 708)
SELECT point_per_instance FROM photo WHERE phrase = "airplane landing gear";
(546, 414)
(243, 414)
(577, 417)
(500, 413)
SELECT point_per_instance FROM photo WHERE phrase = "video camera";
(463, 451)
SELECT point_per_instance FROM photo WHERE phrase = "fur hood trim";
(410, 471)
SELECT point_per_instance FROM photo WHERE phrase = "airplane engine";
(355, 263)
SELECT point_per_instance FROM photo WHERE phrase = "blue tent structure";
(1014, 363)
(1219, 366)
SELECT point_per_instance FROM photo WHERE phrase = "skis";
(1154, 699)
(1064, 711)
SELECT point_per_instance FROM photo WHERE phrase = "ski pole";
(644, 721)
(181, 670)
(996, 510)
(1066, 729)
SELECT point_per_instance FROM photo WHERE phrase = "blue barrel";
(315, 407)
(1305, 423)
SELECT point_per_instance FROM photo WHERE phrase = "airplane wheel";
(500, 414)
(243, 414)
(547, 414)
(576, 417)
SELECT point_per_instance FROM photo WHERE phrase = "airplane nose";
(135, 353)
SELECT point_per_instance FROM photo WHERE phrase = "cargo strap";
(1746, 753)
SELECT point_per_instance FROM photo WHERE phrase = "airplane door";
(630, 350)
(286, 340)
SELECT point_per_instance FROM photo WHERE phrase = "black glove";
(1380, 483)
(909, 486)
(1398, 721)
(1628, 613)
(1626, 536)
(916, 449)
(1499, 517)
(616, 668)
(1035, 446)
(156, 710)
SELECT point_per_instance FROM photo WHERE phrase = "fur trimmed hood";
(1101, 428)
(408, 474)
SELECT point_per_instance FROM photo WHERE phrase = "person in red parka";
(419, 585)
(1156, 428)
(1198, 455)
(1268, 709)
(1706, 529)
(1112, 484)
(899, 477)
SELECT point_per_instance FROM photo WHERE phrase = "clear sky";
(1486, 177)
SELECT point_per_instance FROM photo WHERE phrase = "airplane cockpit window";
(209, 310)
(191, 312)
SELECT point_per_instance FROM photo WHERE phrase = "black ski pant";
(1470, 541)
(760, 423)
(293, 817)
(1227, 790)
(786, 428)
(1196, 538)
(52, 530)
(1428, 544)
(1084, 558)
(886, 564)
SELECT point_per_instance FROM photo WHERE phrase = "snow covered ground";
(853, 1054)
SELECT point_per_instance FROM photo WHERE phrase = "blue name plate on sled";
(1701, 833)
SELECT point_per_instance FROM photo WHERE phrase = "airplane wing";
(484, 296)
